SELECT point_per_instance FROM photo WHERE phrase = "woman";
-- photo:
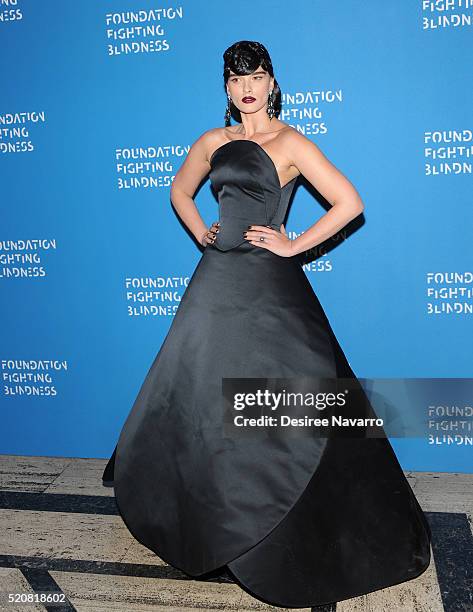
(298, 521)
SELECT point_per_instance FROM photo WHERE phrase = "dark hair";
(244, 57)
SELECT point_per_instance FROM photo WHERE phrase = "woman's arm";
(330, 183)
(189, 176)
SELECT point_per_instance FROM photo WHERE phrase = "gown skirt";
(299, 521)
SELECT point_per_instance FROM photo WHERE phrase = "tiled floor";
(60, 532)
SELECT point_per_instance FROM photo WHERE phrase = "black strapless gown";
(301, 521)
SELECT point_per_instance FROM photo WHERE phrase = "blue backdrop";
(100, 103)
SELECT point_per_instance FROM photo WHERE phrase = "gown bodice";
(248, 191)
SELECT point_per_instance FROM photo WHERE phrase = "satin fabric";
(248, 191)
(299, 521)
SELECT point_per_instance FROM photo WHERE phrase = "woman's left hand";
(277, 242)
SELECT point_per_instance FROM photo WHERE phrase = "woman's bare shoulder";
(211, 135)
(290, 134)
(210, 140)
(295, 142)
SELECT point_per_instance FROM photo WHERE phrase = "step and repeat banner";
(99, 105)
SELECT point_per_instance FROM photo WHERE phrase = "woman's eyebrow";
(252, 74)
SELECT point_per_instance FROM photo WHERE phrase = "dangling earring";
(228, 113)
(270, 109)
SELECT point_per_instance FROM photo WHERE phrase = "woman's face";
(256, 85)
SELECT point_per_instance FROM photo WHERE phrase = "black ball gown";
(299, 521)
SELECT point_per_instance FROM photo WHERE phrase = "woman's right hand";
(210, 235)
